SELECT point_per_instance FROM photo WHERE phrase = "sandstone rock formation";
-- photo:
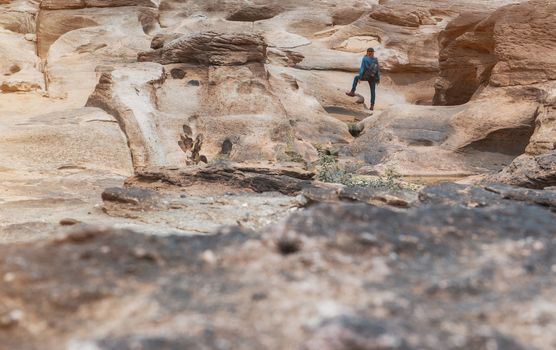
(263, 81)
(19, 67)
(466, 59)
(519, 33)
(127, 93)
(252, 13)
(494, 126)
(85, 39)
(529, 171)
(240, 103)
(76, 4)
(17, 21)
(501, 49)
(190, 174)
(210, 48)
(317, 281)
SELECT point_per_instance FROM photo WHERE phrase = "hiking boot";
(350, 94)
(372, 108)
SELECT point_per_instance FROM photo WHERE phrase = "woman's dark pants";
(372, 84)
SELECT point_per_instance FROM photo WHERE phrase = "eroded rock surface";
(252, 13)
(210, 48)
(501, 49)
(132, 132)
(330, 276)
(529, 171)
(76, 4)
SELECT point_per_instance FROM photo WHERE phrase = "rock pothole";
(355, 129)
(177, 73)
(14, 69)
(510, 142)
(227, 146)
(346, 115)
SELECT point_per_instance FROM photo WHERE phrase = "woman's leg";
(372, 84)
(355, 82)
(354, 86)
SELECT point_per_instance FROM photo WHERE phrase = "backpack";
(371, 73)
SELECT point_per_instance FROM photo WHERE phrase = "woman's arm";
(362, 69)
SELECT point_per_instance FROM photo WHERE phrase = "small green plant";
(293, 156)
(219, 159)
(329, 170)
(288, 152)
(391, 180)
(326, 156)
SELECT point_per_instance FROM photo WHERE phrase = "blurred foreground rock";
(464, 269)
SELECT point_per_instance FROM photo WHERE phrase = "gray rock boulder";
(529, 171)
